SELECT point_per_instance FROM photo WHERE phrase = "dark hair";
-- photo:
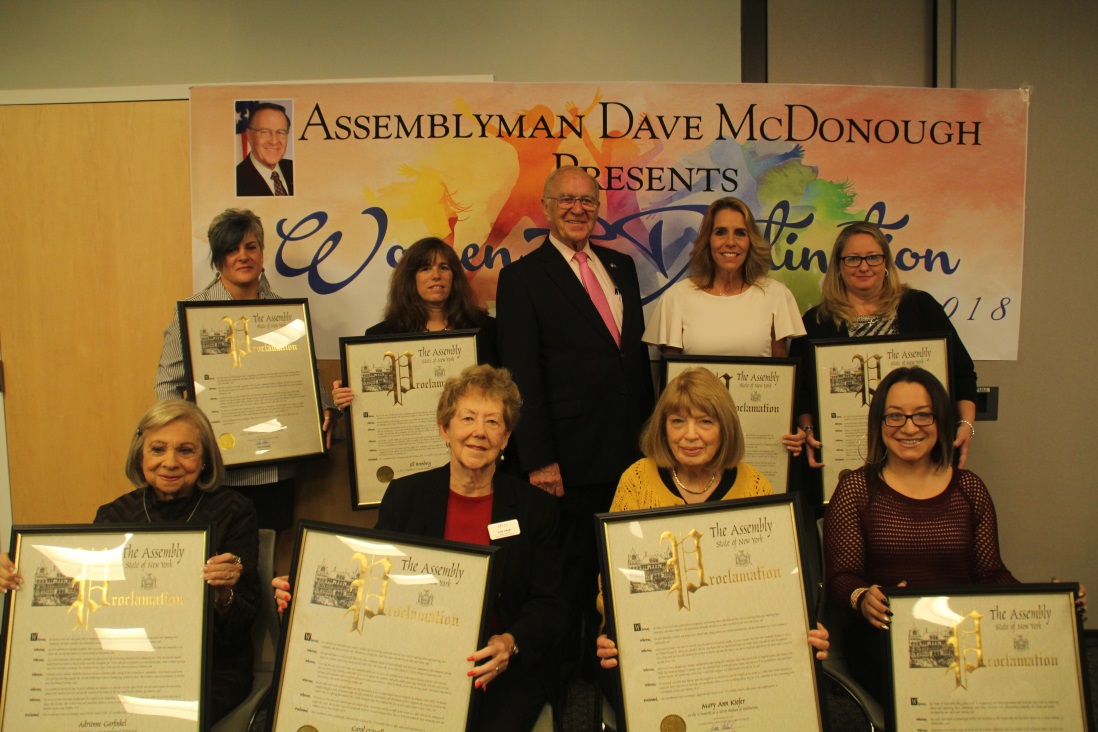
(228, 229)
(268, 105)
(406, 309)
(756, 266)
(944, 419)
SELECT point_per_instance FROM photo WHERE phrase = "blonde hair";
(162, 413)
(695, 389)
(756, 268)
(835, 304)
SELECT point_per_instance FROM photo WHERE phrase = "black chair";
(835, 619)
(265, 632)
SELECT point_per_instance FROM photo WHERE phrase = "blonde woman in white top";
(729, 305)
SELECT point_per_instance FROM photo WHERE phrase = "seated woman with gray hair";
(175, 465)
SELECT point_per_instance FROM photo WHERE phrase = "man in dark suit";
(265, 172)
(570, 333)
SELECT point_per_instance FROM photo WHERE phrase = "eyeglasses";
(567, 202)
(265, 134)
(899, 419)
(853, 261)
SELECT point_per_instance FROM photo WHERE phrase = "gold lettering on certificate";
(400, 369)
(967, 647)
(367, 603)
(681, 551)
(871, 375)
(240, 340)
(84, 605)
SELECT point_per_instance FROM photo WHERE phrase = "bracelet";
(970, 427)
(856, 597)
(229, 602)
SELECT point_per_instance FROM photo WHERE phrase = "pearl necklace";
(681, 487)
(145, 505)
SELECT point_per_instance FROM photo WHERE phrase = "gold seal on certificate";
(384, 474)
(673, 723)
(226, 441)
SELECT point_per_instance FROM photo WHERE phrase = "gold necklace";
(681, 487)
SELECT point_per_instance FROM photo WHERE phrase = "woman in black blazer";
(470, 501)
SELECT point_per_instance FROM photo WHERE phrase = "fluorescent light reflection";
(187, 710)
(632, 575)
(124, 639)
(284, 336)
(105, 564)
(935, 610)
(198, 388)
(369, 547)
(413, 579)
(272, 426)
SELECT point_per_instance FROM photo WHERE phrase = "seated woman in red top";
(907, 516)
(476, 414)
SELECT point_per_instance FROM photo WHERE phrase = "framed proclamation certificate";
(987, 657)
(762, 390)
(379, 630)
(397, 381)
(107, 630)
(251, 366)
(708, 605)
(847, 373)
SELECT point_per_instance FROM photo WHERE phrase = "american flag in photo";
(243, 119)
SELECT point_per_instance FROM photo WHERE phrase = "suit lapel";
(504, 508)
(560, 272)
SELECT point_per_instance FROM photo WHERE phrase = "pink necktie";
(280, 190)
(598, 297)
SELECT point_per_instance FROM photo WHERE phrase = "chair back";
(265, 636)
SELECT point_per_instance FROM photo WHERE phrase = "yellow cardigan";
(641, 487)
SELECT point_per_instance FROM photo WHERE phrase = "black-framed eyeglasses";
(567, 202)
(853, 260)
(899, 419)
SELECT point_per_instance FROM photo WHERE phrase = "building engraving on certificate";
(957, 648)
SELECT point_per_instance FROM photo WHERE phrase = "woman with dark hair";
(907, 516)
(428, 292)
(236, 253)
(175, 466)
(863, 296)
(459, 502)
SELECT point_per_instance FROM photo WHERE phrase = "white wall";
(111, 43)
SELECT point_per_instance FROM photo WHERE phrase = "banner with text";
(371, 168)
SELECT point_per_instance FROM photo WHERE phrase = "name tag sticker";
(503, 529)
